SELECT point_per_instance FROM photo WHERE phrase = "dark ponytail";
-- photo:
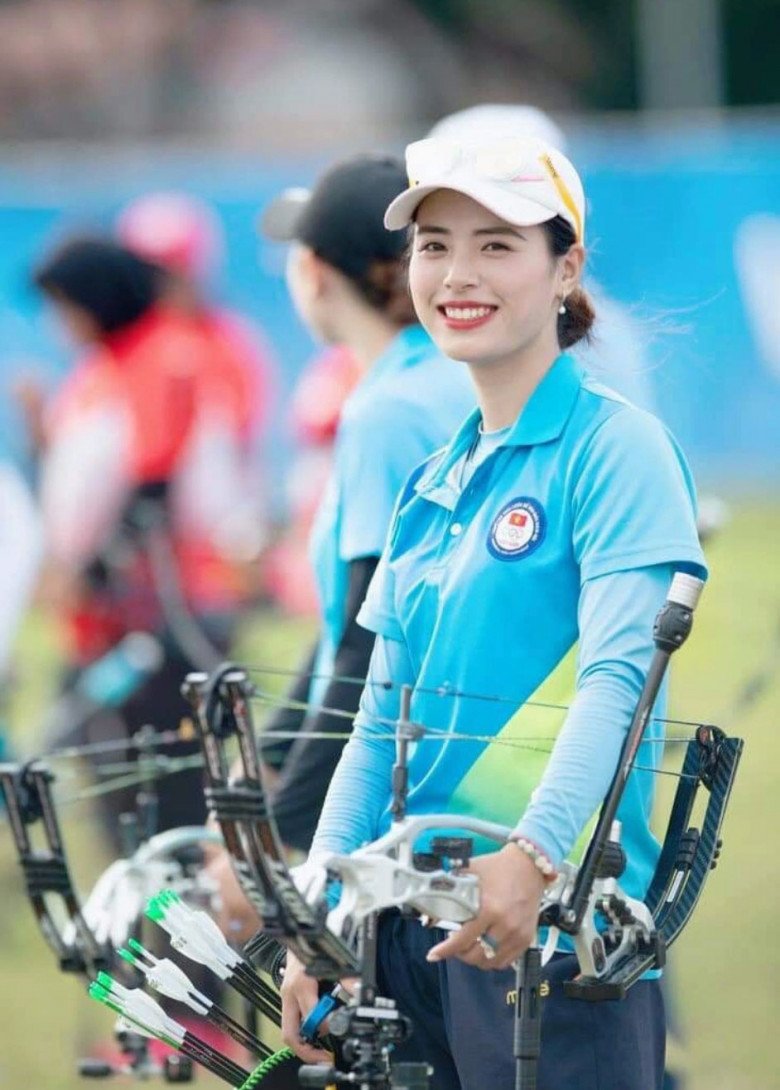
(384, 286)
(576, 323)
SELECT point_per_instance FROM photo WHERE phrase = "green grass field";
(725, 968)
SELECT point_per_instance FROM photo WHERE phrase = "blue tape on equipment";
(316, 1016)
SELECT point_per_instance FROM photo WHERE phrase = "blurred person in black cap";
(347, 277)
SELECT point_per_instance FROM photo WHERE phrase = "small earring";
(562, 307)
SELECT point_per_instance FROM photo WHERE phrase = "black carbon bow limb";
(28, 799)
(221, 704)
(689, 853)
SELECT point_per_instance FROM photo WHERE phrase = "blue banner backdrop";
(683, 231)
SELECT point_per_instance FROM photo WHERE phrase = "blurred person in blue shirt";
(347, 277)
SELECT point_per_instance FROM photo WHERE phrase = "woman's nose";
(460, 274)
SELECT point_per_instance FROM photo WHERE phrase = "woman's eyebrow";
(498, 231)
(431, 229)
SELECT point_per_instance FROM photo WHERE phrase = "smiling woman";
(491, 291)
(487, 292)
(556, 516)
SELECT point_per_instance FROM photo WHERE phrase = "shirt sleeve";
(309, 767)
(634, 502)
(377, 613)
(360, 789)
(616, 614)
(375, 453)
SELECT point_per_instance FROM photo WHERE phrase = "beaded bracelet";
(542, 863)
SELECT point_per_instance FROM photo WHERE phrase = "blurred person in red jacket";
(182, 236)
(136, 500)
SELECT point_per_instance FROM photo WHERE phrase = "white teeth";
(467, 314)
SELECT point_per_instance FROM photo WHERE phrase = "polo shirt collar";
(549, 406)
(542, 420)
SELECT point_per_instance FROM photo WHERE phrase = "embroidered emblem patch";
(518, 529)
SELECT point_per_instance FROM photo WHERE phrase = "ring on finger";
(488, 945)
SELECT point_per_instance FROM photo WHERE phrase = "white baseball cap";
(524, 181)
(492, 121)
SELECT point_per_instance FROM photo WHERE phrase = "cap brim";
(518, 211)
(280, 221)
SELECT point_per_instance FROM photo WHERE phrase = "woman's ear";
(570, 268)
(314, 269)
(306, 278)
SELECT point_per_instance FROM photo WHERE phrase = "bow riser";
(251, 837)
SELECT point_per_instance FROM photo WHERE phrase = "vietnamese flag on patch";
(518, 518)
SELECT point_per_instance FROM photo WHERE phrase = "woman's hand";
(299, 996)
(510, 890)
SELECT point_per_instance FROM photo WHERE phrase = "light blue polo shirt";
(409, 404)
(482, 592)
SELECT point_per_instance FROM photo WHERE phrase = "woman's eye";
(430, 247)
(493, 246)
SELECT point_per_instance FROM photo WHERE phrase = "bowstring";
(169, 767)
(755, 687)
(94, 749)
(752, 690)
(126, 774)
(441, 734)
(180, 764)
(443, 690)
(273, 700)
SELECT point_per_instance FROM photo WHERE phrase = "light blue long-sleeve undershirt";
(615, 615)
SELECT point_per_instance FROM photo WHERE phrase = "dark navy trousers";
(463, 1021)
